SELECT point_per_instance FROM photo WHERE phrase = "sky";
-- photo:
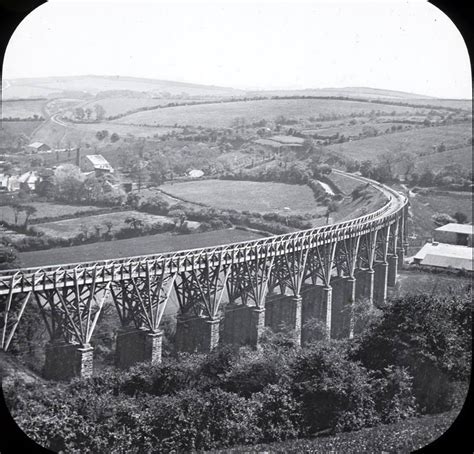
(408, 46)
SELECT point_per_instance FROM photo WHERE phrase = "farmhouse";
(29, 179)
(96, 163)
(9, 183)
(282, 142)
(38, 147)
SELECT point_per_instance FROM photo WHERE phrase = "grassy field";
(23, 108)
(418, 281)
(70, 228)
(163, 242)
(437, 161)
(223, 114)
(122, 104)
(46, 210)
(246, 195)
(402, 437)
(416, 141)
(78, 133)
(123, 129)
(423, 207)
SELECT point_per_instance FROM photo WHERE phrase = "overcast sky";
(408, 46)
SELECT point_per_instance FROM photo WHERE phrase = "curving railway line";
(226, 293)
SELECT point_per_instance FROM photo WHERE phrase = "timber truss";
(71, 297)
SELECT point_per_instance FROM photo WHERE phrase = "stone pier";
(243, 325)
(401, 258)
(380, 284)
(392, 270)
(364, 287)
(196, 334)
(343, 296)
(316, 307)
(136, 346)
(284, 311)
(65, 361)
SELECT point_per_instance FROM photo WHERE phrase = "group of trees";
(412, 359)
(95, 113)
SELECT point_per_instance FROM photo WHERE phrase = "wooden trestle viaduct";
(227, 293)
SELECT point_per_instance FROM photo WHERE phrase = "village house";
(9, 183)
(29, 179)
(96, 163)
(38, 147)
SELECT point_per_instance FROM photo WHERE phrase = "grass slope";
(70, 228)
(162, 242)
(416, 141)
(23, 108)
(423, 207)
(246, 195)
(405, 436)
(437, 161)
(222, 114)
(46, 210)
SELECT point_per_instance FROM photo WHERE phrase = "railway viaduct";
(226, 294)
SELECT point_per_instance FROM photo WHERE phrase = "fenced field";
(162, 242)
(247, 195)
(223, 114)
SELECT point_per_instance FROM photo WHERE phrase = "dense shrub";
(191, 421)
(278, 413)
(413, 357)
(336, 393)
(430, 336)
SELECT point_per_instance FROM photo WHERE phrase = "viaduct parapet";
(226, 294)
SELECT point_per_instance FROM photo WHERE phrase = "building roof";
(288, 140)
(458, 263)
(445, 255)
(99, 162)
(28, 177)
(268, 142)
(195, 173)
(456, 228)
(37, 145)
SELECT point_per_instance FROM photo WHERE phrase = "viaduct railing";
(226, 293)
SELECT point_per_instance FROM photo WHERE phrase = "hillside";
(418, 141)
(223, 114)
(54, 86)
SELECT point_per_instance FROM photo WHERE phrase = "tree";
(109, 224)
(17, 209)
(407, 161)
(8, 256)
(88, 113)
(134, 222)
(442, 218)
(332, 208)
(179, 216)
(114, 137)
(101, 135)
(460, 217)
(29, 210)
(69, 183)
(99, 112)
(79, 113)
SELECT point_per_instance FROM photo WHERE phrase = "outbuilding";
(460, 234)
